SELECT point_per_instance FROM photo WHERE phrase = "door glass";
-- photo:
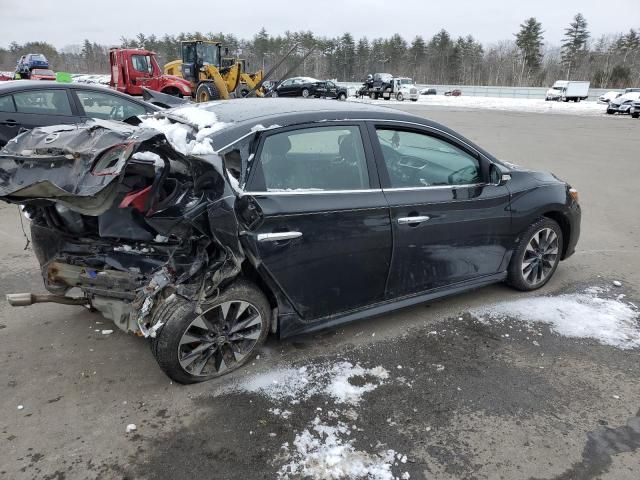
(323, 158)
(419, 160)
(6, 104)
(44, 102)
(108, 107)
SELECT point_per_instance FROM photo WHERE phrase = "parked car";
(28, 62)
(428, 91)
(631, 90)
(26, 104)
(42, 74)
(607, 97)
(635, 109)
(453, 93)
(275, 217)
(309, 87)
(622, 104)
(565, 90)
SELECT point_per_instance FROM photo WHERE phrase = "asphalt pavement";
(451, 396)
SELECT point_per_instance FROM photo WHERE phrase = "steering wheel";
(468, 168)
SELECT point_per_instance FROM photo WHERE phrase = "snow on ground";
(610, 321)
(496, 103)
(344, 382)
(325, 452)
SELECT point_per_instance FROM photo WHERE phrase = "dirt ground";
(464, 399)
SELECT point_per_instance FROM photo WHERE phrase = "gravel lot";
(452, 396)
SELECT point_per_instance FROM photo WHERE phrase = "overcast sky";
(67, 22)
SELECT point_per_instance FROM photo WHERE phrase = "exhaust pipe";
(26, 299)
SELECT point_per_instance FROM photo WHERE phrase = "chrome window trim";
(433, 187)
(312, 192)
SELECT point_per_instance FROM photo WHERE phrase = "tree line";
(610, 61)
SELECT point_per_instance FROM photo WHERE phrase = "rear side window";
(6, 104)
(323, 158)
(44, 102)
(108, 107)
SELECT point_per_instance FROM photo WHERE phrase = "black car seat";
(345, 173)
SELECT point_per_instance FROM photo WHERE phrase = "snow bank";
(496, 103)
(581, 315)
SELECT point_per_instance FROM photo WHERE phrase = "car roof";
(247, 114)
(22, 85)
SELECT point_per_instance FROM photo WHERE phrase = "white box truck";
(566, 90)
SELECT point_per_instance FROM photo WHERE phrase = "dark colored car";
(25, 104)
(635, 109)
(292, 217)
(453, 93)
(28, 62)
(309, 87)
(429, 91)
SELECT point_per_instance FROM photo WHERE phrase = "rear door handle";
(412, 220)
(278, 236)
(10, 123)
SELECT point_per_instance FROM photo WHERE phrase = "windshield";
(202, 52)
(38, 58)
(406, 81)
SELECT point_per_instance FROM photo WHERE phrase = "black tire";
(610, 112)
(178, 316)
(635, 115)
(516, 276)
(207, 92)
(414, 99)
(400, 97)
(342, 96)
(305, 92)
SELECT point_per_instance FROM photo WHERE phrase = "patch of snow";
(20, 407)
(325, 452)
(581, 315)
(131, 428)
(280, 413)
(106, 332)
(293, 385)
(150, 156)
(177, 134)
(617, 283)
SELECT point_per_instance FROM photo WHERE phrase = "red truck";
(132, 69)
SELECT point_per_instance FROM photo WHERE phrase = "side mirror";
(496, 177)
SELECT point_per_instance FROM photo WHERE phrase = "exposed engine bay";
(119, 213)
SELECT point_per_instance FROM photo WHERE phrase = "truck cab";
(133, 69)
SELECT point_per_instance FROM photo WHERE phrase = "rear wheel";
(342, 96)
(610, 112)
(305, 92)
(400, 97)
(207, 92)
(193, 347)
(537, 256)
(635, 115)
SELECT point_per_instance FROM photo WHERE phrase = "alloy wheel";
(540, 256)
(220, 338)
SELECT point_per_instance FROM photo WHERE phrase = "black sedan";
(276, 216)
(309, 87)
(25, 104)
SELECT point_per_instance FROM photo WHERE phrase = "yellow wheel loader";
(202, 65)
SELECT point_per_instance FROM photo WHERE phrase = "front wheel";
(193, 347)
(207, 92)
(342, 97)
(400, 97)
(537, 255)
(635, 115)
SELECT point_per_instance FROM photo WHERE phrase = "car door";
(35, 108)
(331, 90)
(108, 106)
(324, 234)
(285, 89)
(450, 224)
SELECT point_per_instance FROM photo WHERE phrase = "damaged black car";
(204, 228)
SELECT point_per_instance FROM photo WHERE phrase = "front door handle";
(278, 236)
(10, 123)
(412, 220)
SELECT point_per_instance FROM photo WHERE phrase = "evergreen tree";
(574, 47)
(529, 41)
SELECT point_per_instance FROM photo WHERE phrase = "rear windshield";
(38, 57)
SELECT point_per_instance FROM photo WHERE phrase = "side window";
(287, 83)
(6, 104)
(44, 102)
(141, 63)
(420, 160)
(108, 107)
(322, 158)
